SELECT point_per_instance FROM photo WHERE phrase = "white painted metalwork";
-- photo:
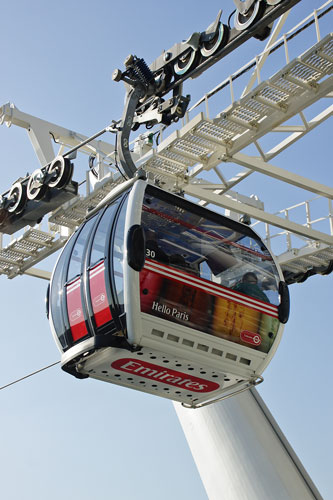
(241, 453)
(183, 159)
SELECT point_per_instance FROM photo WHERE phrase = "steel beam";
(41, 133)
(225, 202)
(258, 165)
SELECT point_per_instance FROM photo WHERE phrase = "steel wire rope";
(29, 375)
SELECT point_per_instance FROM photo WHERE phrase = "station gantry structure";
(196, 158)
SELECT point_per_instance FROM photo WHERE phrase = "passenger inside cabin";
(249, 286)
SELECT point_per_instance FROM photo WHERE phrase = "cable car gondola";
(158, 294)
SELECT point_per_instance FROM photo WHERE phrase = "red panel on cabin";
(101, 309)
(75, 310)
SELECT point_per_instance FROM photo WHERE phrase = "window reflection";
(56, 297)
(98, 246)
(77, 253)
(205, 248)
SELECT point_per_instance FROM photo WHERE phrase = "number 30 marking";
(150, 253)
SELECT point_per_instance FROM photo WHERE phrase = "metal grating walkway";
(300, 83)
(199, 145)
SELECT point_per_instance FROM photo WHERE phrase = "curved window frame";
(119, 308)
(58, 310)
(80, 276)
(109, 326)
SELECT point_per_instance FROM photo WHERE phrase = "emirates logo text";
(151, 371)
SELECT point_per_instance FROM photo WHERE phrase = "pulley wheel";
(61, 171)
(163, 79)
(36, 189)
(243, 21)
(185, 62)
(209, 48)
(17, 198)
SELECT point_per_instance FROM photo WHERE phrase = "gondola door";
(99, 294)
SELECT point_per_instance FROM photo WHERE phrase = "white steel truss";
(185, 160)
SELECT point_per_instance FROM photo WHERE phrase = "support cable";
(29, 375)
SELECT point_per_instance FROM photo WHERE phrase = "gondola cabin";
(158, 294)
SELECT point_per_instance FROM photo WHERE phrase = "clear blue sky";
(70, 439)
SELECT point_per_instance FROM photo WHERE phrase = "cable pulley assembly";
(154, 96)
(147, 87)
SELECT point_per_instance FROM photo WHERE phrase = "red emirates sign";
(157, 373)
(250, 337)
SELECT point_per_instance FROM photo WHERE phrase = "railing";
(300, 211)
(256, 64)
